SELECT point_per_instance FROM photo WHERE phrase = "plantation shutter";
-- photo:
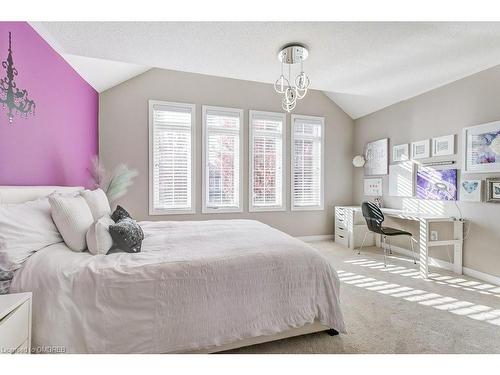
(307, 162)
(266, 160)
(222, 174)
(172, 157)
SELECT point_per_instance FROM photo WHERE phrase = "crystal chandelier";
(10, 95)
(292, 90)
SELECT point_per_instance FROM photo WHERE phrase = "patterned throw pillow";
(127, 235)
(119, 214)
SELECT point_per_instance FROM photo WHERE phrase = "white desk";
(350, 214)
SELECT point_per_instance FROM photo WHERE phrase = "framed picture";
(481, 148)
(400, 153)
(373, 187)
(471, 190)
(443, 146)
(401, 179)
(420, 149)
(433, 184)
(493, 190)
(376, 156)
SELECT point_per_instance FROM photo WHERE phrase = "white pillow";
(25, 228)
(73, 219)
(99, 240)
(98, 202)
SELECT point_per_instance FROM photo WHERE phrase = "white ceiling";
(362, 66)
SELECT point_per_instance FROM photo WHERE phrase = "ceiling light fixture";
(292, 90)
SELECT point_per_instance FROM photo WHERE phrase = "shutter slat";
(223, 158)
(172, 153)
(266, 145)
(306, 162)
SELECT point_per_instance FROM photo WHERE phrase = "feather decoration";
(120, 182)
(97, 172)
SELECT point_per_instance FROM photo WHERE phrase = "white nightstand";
(15, 323)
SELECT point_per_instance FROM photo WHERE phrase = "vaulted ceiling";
(361, 66)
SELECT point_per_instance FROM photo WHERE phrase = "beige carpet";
(393, 310)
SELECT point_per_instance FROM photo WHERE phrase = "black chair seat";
(388, 231)
(374, 219)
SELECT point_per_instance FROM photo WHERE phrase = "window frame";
(240, 113)
(163, 211)
(321, 206)
(283, 206)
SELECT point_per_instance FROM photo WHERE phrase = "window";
(222, 159)
(307, 162)
(171, 157)
(266, 161)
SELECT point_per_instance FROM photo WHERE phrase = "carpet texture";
(393, 310)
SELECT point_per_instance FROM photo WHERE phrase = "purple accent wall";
(53, 147)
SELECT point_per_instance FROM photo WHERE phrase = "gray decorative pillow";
(119, 214)
(127, 235)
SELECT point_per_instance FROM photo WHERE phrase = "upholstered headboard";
(19, 194)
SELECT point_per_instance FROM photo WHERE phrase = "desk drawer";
(14, 328)
(341, 230)
(340, 222)
(342, 239)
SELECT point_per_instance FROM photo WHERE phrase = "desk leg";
(458, 234)
(424, 249)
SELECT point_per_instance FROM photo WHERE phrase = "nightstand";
(15, 323)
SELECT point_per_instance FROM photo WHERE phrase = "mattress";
(195, 285)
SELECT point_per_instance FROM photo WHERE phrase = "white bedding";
(194, 285)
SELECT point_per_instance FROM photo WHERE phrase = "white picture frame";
(420, 149)
(373, 187)
(478, 155)
(400, 153)
(377, 157)
(402, 180)
(443, 146)
(471, 190)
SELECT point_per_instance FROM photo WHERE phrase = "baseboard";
(321, 237)
(495, 280)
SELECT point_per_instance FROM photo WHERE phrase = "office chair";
(374, 219)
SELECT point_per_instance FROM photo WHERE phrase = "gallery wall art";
(493, 190)
(373, 187)
(401, 179)
(400, 153)
(471, 190)
(481, 148)
(443, 146)
(436, 184)
(377, 157)
(420, 149)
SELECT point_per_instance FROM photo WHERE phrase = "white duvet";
(194, 285)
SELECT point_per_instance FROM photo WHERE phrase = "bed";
(196, 287)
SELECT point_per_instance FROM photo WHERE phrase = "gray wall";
(123, 134)
(445, 110)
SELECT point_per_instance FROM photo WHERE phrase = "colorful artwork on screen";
(435, 184)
